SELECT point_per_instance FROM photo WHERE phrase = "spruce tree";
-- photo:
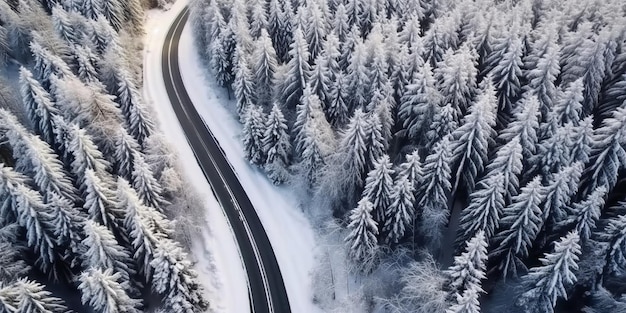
(265, 64)
(401, 212)
(524, 126)
(298, 69)
(147, 187)
(432, 197)
(508, 161)
(469, 267)
(585, 214)
(419, 104)
(276, 146)
(444, 123)
(39, 105)
(243, 86)
(379, 187)
(485, 209)
(519, 226)
(252, 135)
(549, 282)
(456, 76)
(361, 238)
(105, 291)
(542, 79)
(30, 297)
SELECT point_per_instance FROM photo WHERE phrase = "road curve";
(266, 288)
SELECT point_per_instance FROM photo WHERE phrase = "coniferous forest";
(478, 145)
(89, 190)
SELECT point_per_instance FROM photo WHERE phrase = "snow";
(287, 227)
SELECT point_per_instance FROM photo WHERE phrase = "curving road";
(266, 289)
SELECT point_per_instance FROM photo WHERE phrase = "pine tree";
(379, 187)
(32, 214)
(441, 36)
(467, 302)
(136, 117)
(553, 152)
(401, 212)
(103, 37)
(175, 279)
(580, 141)
(361, 238)
(358, 77)
(607, 155)
(315, 30)
(39, 105)
(315, 141)
(35, 158)
(258, 18)
(264, 68)
(86, 62)
(276, 146)
(352, 153)
(84, 153)
(47, 64)
(221, 57)
(339, 23)
(508, 161)
(507, 72)
(484, 210)
(147, 187)
(419, 104)
(444, 123)
(412, 169)
(12, 265)
(112, 11)
(298, 68)
(105, 291)
(90, 8)
(243, 86)
(542, 79)
(435, 189)
(280, 28)
(337, 109)
(519, 227)
(101, 250)
(100, 202)
(324, 71)
(560, 188)
(63, 25)
(27, 296)
(548, 282)
(456, 76)
(585, 214)
(569, 106)
(144, 226)
(469, 267)
(470, 142)
(524, 126)
(252, 135)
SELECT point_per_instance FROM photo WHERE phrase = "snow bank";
(219, 263)
(287, 227)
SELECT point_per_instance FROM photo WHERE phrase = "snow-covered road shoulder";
(288, 229)
(219, 263)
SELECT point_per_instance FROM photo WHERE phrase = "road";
(266, 288)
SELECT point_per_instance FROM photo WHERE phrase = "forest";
(92, 208)
(476, 144)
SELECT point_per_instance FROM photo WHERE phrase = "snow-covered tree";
(542, 79)
(470, 142)
(524, 126)
(469, 268)
(252, 135)
(411, 169)
(379, 187)
(87, 67)
(26, 296)
(112, 11)
(101, 250)
(519, 227)
(325, 70)
(467, 301)
(358, 77)
(339, 22)
(508, 161)
(507, 72)
(580, 141)
(276, 146)
(128, 97)
(105, 291)
(243, 86)
(100, 202)
(361, 238)
(32, 214)
(607, 155)
(456, 75)
(570, 103)
(298, 69)
(315, 30)
(39, 105)
(64, 27)
(103, 37)
(265, 64)
(401, 212)
(549, 282)
(147, 187)
(221, 55)
(47, 64)
(175, 279)
(432, 196)
(258, 18)
(441, 36)
(84, 153)
(12, 263)
(337, 108)
(485, 208)
(444, 123)
(419, 104)
(280, 28)
(585, 214)
(559, 189)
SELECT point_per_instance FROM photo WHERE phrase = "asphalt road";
(266, 289)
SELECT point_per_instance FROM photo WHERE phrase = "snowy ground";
(287, 228)
(219, 263)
